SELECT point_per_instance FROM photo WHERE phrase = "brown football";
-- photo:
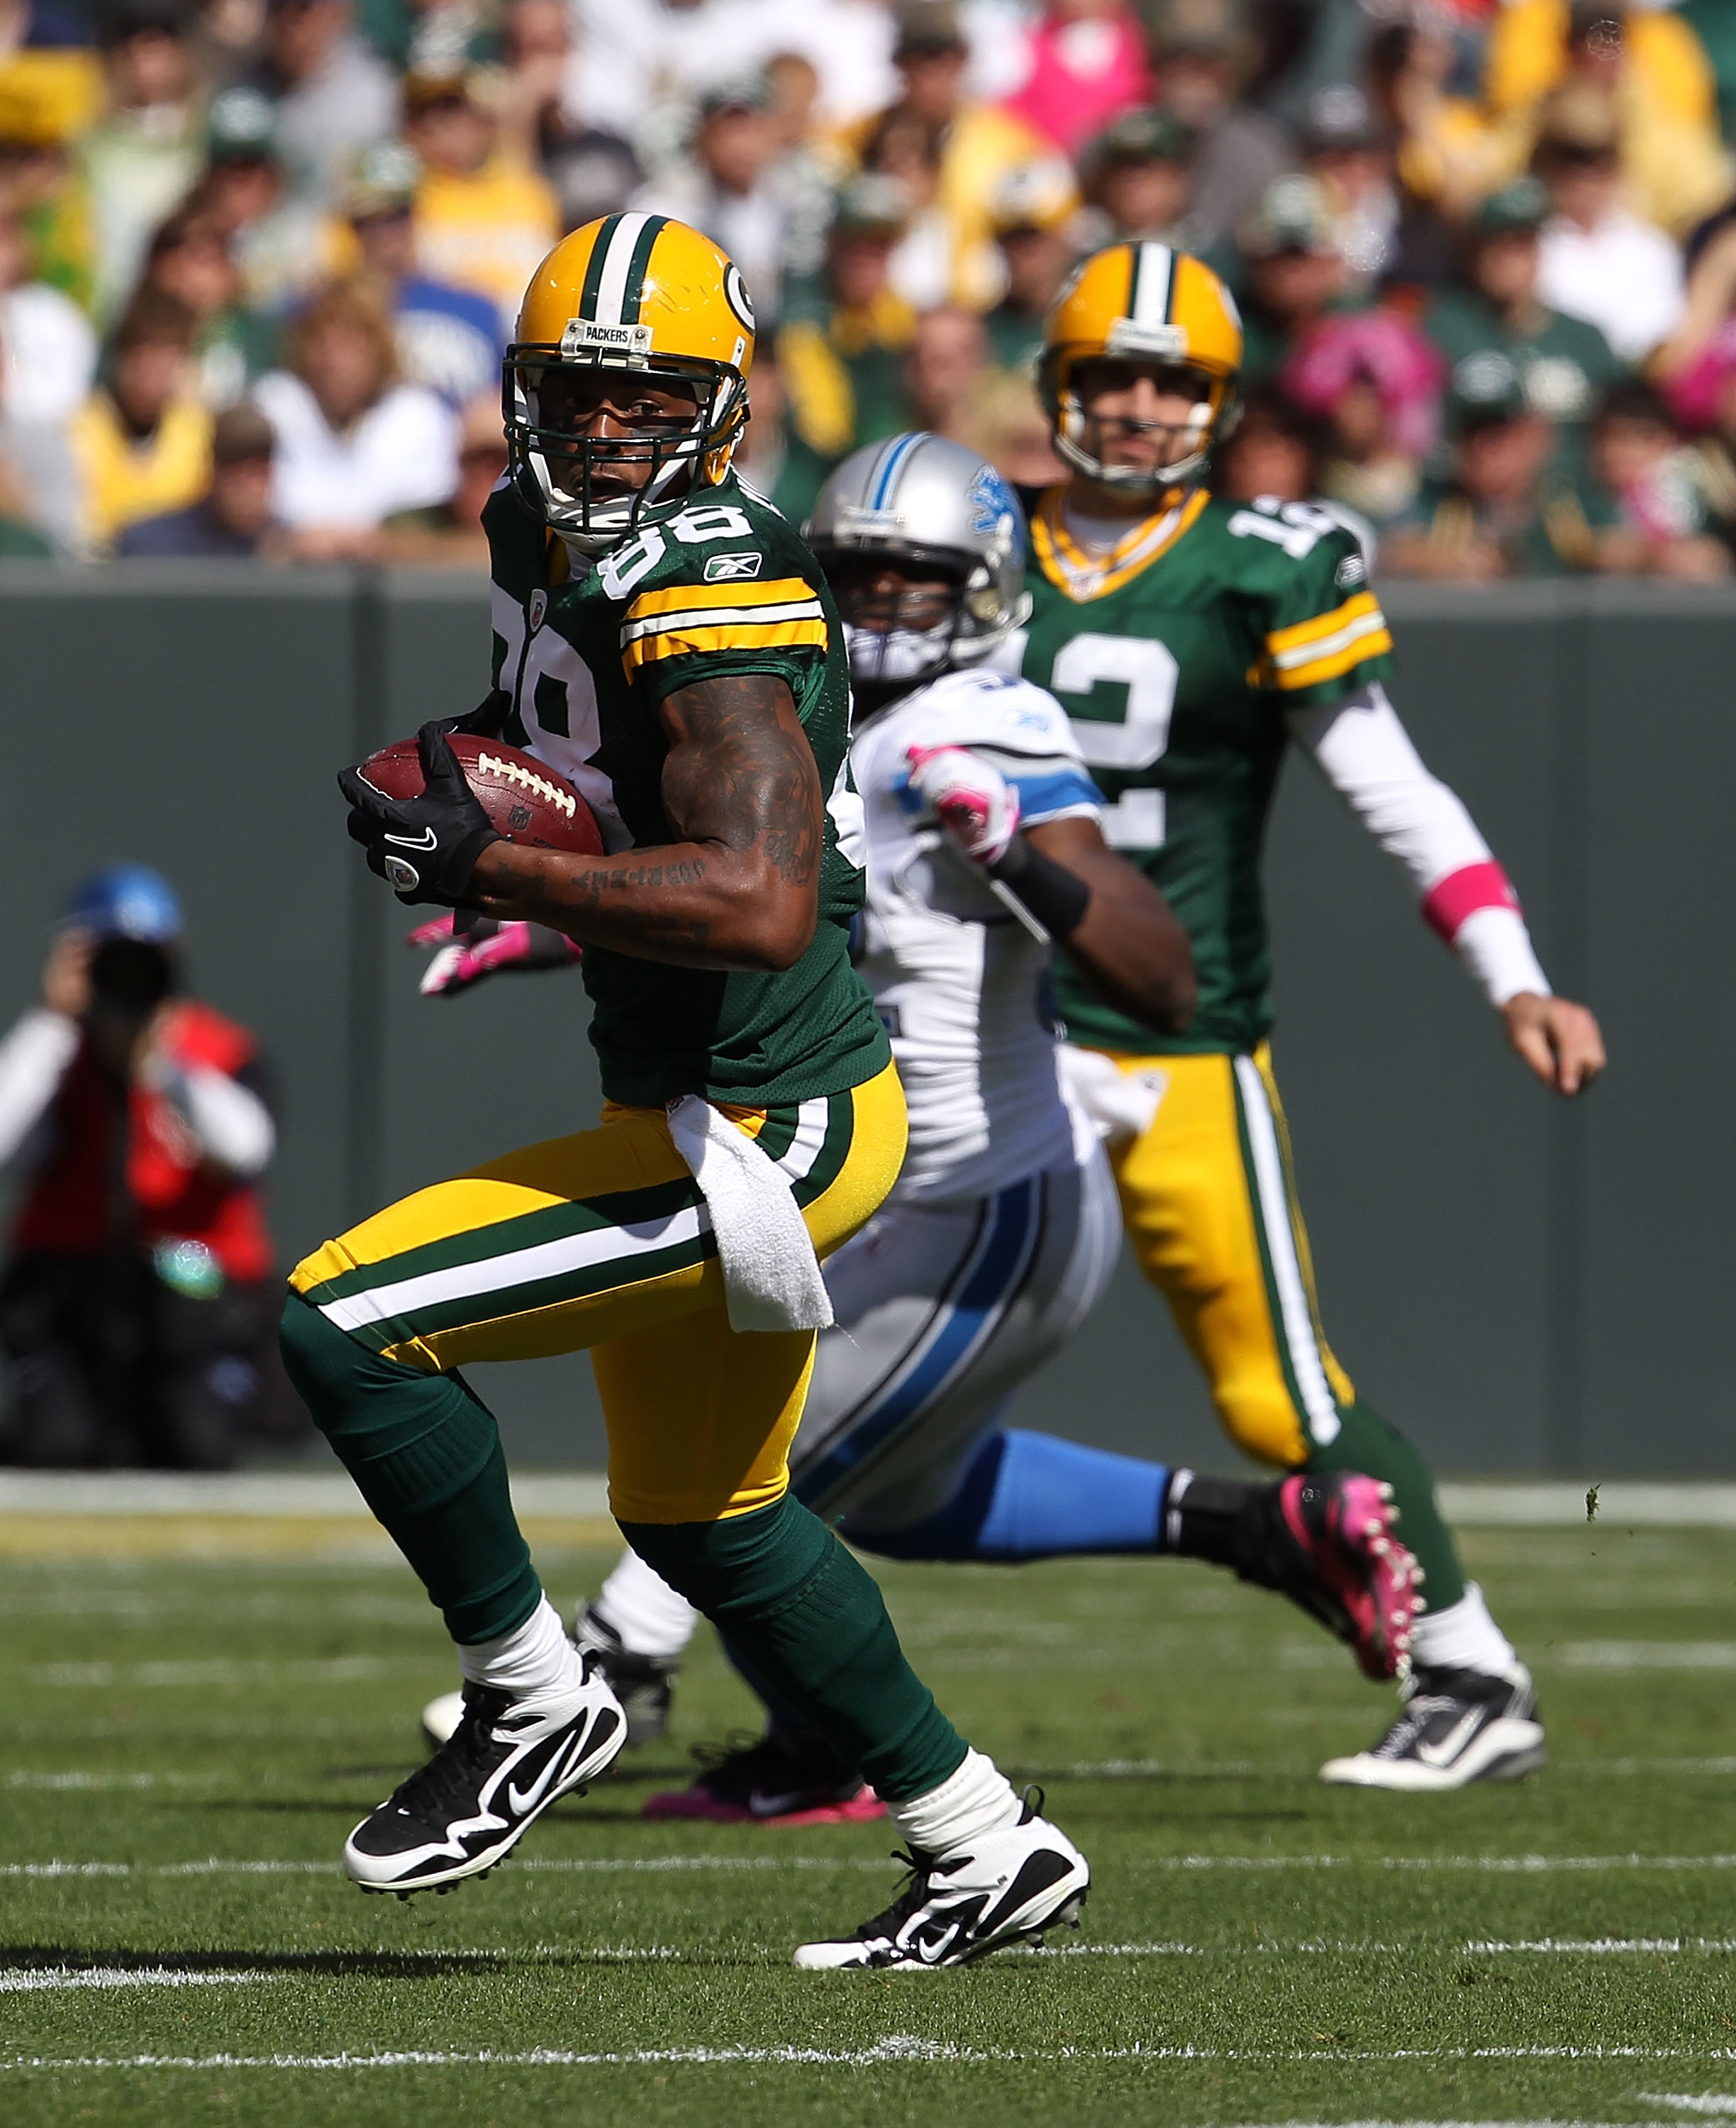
(526, 801)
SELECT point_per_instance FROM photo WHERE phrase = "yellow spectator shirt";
(488, 232)
(124, 480)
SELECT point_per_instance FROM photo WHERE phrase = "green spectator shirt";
(842, 373)
(586, 652)
(1552, 539)
(20, 542)
(1563, 364)
(1176, 658)
(1015, 339)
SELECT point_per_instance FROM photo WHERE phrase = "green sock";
(808, 1619)
(1367, 1443)
(425, 1454)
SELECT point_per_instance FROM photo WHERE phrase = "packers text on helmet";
(643, 300)
(1142, 303)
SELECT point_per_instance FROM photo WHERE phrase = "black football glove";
(425, 847)
(487, 720)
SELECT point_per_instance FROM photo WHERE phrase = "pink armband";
(1461, 893)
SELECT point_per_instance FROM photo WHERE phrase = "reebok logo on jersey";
(732, 568)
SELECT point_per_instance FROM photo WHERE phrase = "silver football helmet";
(935, 511)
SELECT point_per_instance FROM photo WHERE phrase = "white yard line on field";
(95, 1676)
(55, 1782)
(1490, 1864)
(1638, 1655)
(899, 2049)
(1608, 1945)
(219, 1866)
(654, 1864)
(31, 1980)
(1089, 1770)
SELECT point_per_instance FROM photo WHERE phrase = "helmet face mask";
(625, 393)
(902, 609)
(924, 543)
(1087, 433)
(598, 489)
(1132, 310)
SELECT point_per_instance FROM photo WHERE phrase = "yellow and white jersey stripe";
(1324, 647)
(686, 618)
(1083, 576)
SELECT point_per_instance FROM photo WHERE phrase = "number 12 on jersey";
(1147, 670)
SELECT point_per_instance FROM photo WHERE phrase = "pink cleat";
(777, 1780)
(1351, 1571)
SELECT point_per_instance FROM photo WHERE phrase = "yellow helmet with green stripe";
(1145, 304)
(639, 299)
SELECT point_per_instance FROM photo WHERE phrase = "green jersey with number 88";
(1177, 657)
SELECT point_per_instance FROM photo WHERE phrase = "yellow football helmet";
(1146, 303)
(639, 292)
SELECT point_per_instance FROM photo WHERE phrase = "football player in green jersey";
(1192, 641)
(663, 640)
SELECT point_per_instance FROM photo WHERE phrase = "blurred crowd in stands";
(259, 258)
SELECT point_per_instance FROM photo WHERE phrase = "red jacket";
(70, 1208)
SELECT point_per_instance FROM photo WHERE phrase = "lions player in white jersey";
(983, 853)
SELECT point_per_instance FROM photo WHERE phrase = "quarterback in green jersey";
(1191, 641)
(665, 641)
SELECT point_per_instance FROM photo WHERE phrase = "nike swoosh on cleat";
(944, 1931)
(524, 1800)
(1444, 1753)
(427, 840)
(761, 1805)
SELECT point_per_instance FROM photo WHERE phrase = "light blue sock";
(1030, 1496)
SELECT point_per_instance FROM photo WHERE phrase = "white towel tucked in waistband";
(1119, 1105)
(771, 1275)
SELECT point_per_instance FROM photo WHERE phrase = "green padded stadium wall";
(1523, 1286)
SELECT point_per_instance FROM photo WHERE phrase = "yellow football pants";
(1208, 1199)
(597, 1241)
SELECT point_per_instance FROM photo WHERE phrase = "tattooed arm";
(736, 887)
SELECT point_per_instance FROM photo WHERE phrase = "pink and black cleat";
(1348, 1567)
(775, 1780)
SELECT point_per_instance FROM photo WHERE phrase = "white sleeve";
(233, 1125)
(1367, 756)
(34, 1058)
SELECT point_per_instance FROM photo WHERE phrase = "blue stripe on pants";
(954, 1340)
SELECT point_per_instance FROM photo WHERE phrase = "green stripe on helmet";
(593, 267)
(638, 266)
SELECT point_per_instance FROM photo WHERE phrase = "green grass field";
(183, 1747)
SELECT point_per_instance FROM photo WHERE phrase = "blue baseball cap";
(126, 901)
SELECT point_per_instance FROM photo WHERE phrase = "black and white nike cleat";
(1456, 1727)
(644, 1685)
(468, 1807)
(1007, 1888)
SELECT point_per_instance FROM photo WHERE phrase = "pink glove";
(488, 949)
(972, 801)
